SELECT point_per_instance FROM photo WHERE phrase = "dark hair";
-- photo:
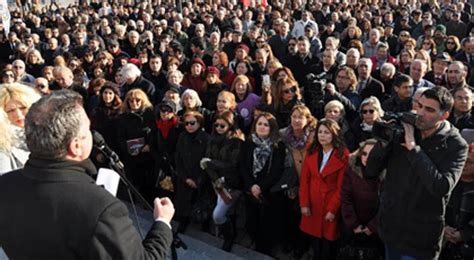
(52, 123)
(117, 103)
(442, 95)
(337, 139)
(401, 79)
(274, 129)
(198, 42)
(229, 118)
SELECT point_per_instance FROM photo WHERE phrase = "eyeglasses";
(426, 43)
(166, 109)
(221, 126)
(450, 43)
(404, 35)
(135, 100)
(190, 123)
(290, 90)
(291, 44)
(365, 111)
(364, 154)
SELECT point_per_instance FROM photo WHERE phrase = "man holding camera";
(52, 209)
(421, 173)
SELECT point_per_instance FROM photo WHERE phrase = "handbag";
(359, 249)
(201, 211)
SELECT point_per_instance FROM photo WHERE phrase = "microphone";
(100, 144)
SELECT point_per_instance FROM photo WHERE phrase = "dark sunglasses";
(290, 90)
(364, 154)
(221, 126)
(191, 123)
(365, 111)
(166, 109)
(291, 44)
(449, 42)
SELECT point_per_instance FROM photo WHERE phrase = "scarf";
(293, 141)
(165, 126)
(366, 127)
(261, 153)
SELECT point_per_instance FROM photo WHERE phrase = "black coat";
(395, 104)
(142, 84)
(190, 149)
(417, 188)
(136, 125)
(301, 67)
(374, 88)
(69, 217)
(224, 155)
(271, 172)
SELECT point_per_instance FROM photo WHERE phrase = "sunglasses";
(190, 123)
(290, 90)
(365, 111)
(221, 126)
(166, 109)
(449, 42)
(291, 44)
(364, 154)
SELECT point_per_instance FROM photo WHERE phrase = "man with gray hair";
(72, 217)
(19, 68)
(372, 44)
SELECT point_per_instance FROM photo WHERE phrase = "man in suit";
(8, 48)
(301, 63)
(58, 211)
(440, 67)
(367, 85)
(466, 56)
(279, 42)
(418, 70)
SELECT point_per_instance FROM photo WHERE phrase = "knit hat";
(213, 70)
(243, 47)
(198, 61)
(441, 28)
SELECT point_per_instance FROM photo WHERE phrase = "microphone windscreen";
(97, 138)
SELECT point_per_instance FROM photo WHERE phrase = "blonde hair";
(37, 54)
(23, 94)
(230, 96)
(6, 138)
(138, 94)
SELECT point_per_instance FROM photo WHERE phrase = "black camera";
(314, 93)
(391, 129)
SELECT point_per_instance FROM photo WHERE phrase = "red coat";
(321, 192)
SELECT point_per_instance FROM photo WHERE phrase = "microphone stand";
(117, 166)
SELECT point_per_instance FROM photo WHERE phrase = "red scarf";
(165, 126)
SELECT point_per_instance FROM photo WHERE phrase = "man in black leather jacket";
(421, 173)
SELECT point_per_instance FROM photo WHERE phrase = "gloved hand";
(203, 162)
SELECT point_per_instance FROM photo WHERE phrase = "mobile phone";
(266, 80)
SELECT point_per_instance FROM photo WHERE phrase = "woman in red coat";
(320, 188)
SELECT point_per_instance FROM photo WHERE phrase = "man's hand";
(329, 217)
(164, 209)
(146, 149)
(331, 89)
(409, 136)
(203, 162)
(305, 211)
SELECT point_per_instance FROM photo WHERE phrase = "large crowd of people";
(269, 107)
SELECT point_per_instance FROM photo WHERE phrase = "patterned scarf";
(295, 142)
(261, 153)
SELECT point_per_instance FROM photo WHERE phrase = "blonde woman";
(11, 157)
(34, 63)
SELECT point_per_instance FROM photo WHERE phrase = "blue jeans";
(393, 254)
(220, 211)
